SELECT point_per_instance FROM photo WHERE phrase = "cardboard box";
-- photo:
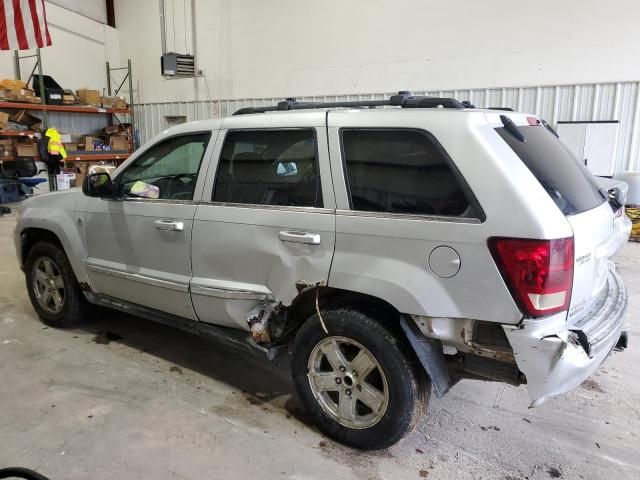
(4, 120)
(114, 102)
(66, 181)
(68, 99)
(119, 143)
(86, 142)
(25, 118)
(89, 97)
(25, 150)
(82, 169)
(6, 151)
(6, 94)
(22, 92)
(70, 147)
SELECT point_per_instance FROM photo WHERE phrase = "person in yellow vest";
(56, 154)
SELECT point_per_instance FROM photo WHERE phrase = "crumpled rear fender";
(555, 356)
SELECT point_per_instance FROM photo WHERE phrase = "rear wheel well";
(31, 236)
(304, 305)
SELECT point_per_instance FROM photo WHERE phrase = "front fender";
(58, 214)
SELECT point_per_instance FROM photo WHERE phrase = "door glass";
(403, 171)
(269, 167)
(167, 171)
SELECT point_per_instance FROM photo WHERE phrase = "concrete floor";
(162, 404)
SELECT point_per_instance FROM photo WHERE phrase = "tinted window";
(269, 167)
(166, 171)
(401, 171)
(570, 185)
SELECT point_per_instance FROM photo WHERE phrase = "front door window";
(167, 171)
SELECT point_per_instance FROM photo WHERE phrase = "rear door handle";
(169, 225)
(299, 237)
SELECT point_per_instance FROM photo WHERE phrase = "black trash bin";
(53, 92)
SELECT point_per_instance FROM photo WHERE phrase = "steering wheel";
(175, 179)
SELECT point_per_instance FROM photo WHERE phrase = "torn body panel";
(553, 354)
(270, 322)
(260, 322)
(238, 250)
(485, 339)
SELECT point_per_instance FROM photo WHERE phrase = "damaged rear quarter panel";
(550, 354)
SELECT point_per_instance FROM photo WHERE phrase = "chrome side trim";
(288, 208)
(228, 294)
(136, 277)
(405, 216)
(142, 201)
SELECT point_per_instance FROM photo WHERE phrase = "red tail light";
(539, 273)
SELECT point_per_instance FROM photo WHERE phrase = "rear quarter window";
(569, 184)
(403, 172)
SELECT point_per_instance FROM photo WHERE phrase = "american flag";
(23, 25)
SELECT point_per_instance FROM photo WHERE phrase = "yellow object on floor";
(633, 212)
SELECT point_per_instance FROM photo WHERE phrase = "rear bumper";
(557, 357)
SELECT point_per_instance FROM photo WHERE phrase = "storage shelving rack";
(91, 110)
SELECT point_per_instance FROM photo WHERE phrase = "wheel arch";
(428, 352)
(31, 235)
(322, 297)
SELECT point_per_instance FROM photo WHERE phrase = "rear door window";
(405, 172)
(269, 167)
(569, 184)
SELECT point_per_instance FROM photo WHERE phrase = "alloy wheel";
(48, 285)
(348, 382)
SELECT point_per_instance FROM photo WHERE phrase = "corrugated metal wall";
(76, 123)
(605, 101)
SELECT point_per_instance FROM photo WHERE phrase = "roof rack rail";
(403, 99)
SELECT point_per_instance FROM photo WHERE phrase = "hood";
(67, 200)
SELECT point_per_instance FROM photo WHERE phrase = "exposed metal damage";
(484, 339)
(270, 322)
(258, 320)
(303, 286)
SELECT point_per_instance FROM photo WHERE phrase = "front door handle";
(169, 225)
(299, 237)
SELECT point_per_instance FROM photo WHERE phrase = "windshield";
(570, 185)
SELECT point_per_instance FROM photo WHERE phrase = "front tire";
(361, 383)
(53, 288)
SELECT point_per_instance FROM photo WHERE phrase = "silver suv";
(391, 250)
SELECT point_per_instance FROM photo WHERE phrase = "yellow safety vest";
(55, 146)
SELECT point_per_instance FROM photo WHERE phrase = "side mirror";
(98, 185)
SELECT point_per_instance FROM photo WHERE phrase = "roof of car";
(291, 109)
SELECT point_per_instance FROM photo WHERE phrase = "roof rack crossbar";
(402, 99)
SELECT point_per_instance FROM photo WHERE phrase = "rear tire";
(361, 383)
(53, 288)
